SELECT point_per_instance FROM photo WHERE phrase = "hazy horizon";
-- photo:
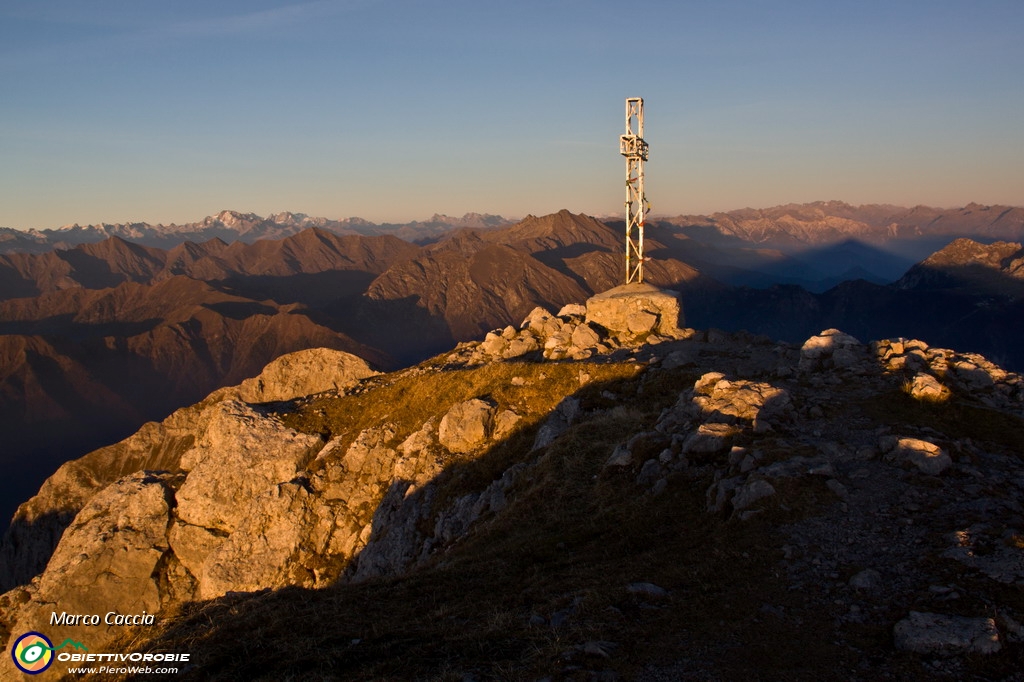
(509, 218)
(392, 110)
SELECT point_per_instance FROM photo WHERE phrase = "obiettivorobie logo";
(33, 652)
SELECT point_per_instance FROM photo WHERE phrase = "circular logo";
(32, 653)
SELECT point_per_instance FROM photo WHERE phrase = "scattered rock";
(467, 425)
(710, 439)
(926, 456)
(926, 388)
(300, 374)
(831, 348)
(647, 590)
(939, 635)
(868, 580)
(557, 423)
(750, 493)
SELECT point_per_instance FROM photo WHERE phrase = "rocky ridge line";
(761, 423)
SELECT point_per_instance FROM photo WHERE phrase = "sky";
(393, 110)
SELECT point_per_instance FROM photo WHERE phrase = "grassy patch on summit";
(408, 399)
(955, 418)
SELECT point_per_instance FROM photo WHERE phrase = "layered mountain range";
(234, 226)
(98, 338)
(821, 244)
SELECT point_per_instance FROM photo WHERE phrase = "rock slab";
(936, 634)
(633, 310)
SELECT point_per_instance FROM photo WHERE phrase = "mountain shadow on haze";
(964, 319)
(401, 328)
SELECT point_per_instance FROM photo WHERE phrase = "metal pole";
(634, 148)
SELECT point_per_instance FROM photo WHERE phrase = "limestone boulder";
(494, 344)
(505, 424)
(241, 453)
(741, 400)
(283, 540)
(926, 388)
(831, 349)
(557, 423)
(710, 439)
(520, 345)
(928, 457)
(634, 310)
(541, 322)
(751, 492)
(298, 374)
(38, 524)
(585, 336)
(573, 310)
(109, 559)
(467, 425)
(940, 635)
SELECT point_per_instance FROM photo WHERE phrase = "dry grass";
(409, 399)
(955, 418)
(907, 387)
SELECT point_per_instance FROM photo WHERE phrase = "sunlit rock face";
(633, 310)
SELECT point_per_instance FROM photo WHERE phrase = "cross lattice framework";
(634, 148)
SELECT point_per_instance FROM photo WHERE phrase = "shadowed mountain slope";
(965, 265)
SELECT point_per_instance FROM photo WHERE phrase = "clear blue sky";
(392, 110)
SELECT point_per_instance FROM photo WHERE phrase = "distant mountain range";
(233, 226)
(101, 336)
(821, 244)
(815, 245)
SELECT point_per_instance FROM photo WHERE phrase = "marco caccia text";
(111, 618)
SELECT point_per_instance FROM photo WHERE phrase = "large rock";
(926, 456)
(751, 492)
(936, 634)
(283, 540)
(634, 310)
(739, 400)
(302, 373)
(38, 524)
(709, 439)
(109, 559)
(241, 453)
(926, 388)
(831, 348)
(467, 425)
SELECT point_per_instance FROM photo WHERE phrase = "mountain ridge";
(787, 225)
(388, 300)
(231, 226)
(566, 497)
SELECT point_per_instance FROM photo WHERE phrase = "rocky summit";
(598, 493)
